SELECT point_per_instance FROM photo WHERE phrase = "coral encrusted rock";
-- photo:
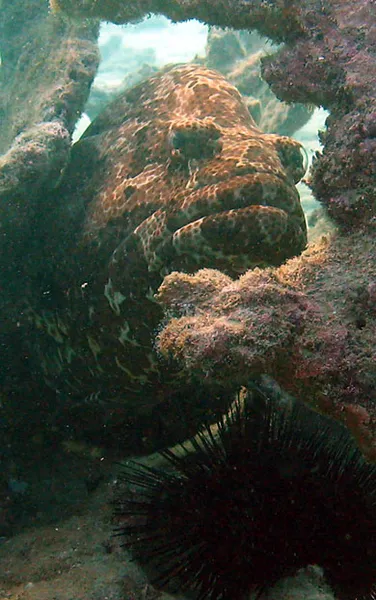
(309, 324)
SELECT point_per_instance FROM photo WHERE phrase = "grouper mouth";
(234, 225)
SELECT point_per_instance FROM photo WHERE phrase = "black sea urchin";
(269, 489)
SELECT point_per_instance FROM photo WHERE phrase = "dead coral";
(277, 18)
(306, 324)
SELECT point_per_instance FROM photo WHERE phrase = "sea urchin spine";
(270, 488)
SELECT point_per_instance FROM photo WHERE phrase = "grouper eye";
(293, 157)
(195, 140)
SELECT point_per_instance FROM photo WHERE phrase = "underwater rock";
(271, 18)
(333, 65)
(309, 324)
(328, 61)
(47, 66)
(174, 174)
(46, 71)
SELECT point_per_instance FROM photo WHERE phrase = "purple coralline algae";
(309, 324)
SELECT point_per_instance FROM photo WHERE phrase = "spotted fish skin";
(174, 174)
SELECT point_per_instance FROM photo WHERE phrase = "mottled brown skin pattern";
(182, 147)
(173, 175)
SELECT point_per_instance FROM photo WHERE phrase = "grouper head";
(182, 172)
